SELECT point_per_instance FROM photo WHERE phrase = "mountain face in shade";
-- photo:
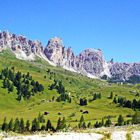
(90, 62)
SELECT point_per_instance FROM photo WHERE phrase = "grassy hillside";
(77, 85)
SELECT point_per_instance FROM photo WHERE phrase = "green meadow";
(77, 86)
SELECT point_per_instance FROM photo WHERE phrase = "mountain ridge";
(90, 62)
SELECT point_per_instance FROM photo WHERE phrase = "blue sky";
(111, 25)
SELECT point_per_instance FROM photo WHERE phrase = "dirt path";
(115, 135)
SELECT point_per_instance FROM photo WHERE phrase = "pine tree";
(94, 96)
(16, 125)
(84, 125)
(99, 95)
(43, 127)
(83, 102)
(89, 125)
(70, 100)
(1, 76)
(41, 118)
(134, 104)
(21, 125)
(28, 75)
(27, 127)
(102, 122)
(128, 104)
(63, 123)
(19, 97)
(136, 118)
(35, 125)
(11, 88)
(96, 125)
(8, 83)
(108, 122)
(18, 76)
(5, 83)
(58, 124)
(5, 125)
(48, 125)
(111, 95)
(40, 87)
(81, 121)
(10, 125)
(120, 120)
(115, 100)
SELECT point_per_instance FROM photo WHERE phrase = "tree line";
(122, 101)
(106, 122)
(37, 124)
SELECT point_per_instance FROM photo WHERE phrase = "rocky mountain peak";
(90, 62)
(20, 45)
(55, 50)
(56, 41)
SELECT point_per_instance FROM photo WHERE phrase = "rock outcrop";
(123, 71)
(89, 62)
(58, 54)
(20, 45)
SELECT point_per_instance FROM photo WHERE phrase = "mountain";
(90, 62)
(31, 86)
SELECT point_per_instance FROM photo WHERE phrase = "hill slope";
(76, 85)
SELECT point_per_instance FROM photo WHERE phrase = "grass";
(77, 85)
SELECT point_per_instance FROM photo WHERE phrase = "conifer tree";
(11, 88)
(10, 125)
(41, 118)
(89, 125)
(21, 125)
(48, 125)
(96, 125)
(63, 123)
(58, 124)
(102, 122)
(16, 125)
(120, 120)
(43, 127)
(111, 95)
(5, 125)
(27, 127)
(99, 95)
(136, 118)
(115, 100)
(35, 125)
(84, 125)
(5, 83)
(81, 121)
(108, 122)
